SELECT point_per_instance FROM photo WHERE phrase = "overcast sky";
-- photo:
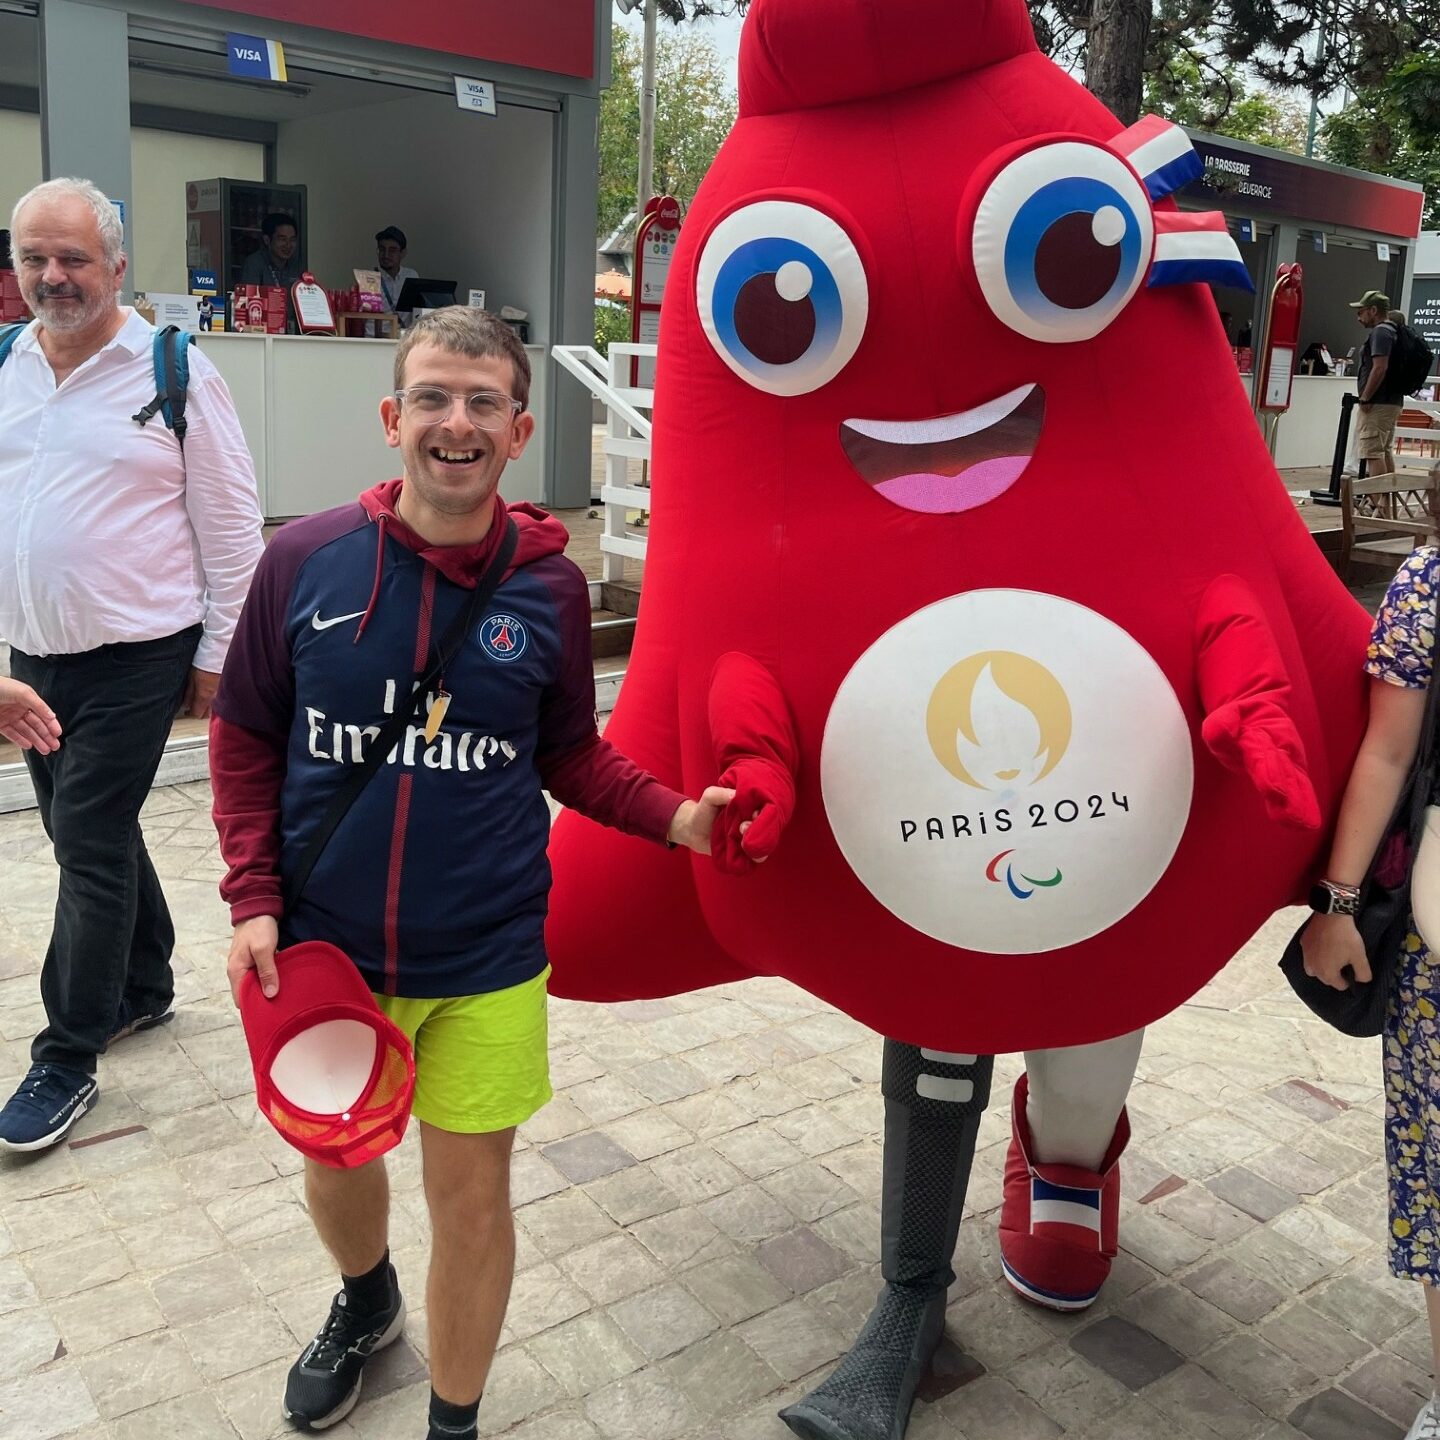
(724, 32)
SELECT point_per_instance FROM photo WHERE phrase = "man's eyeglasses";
(486, 409)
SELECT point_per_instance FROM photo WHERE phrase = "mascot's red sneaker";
(1059, 1225)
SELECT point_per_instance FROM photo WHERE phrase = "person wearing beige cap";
(1380, 404)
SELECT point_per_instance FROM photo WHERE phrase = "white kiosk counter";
(309, 406)
(1306, 433)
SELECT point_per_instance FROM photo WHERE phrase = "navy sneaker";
(128, 1022)
(324, 1383)
(51, 1098)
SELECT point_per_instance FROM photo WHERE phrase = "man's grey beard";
(70, 318)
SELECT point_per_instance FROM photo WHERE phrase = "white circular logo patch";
(1007, 772)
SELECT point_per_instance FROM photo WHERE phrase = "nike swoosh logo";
(320, 624)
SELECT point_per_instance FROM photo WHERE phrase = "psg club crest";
(503, 637)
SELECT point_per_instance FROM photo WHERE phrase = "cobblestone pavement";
(698, 1220)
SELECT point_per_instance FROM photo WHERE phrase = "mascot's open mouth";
(953, 463)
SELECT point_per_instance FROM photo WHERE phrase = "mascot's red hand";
(1246, 691)
(758, 754)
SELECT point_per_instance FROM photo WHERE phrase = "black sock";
(452, 1422)
(371, 1292)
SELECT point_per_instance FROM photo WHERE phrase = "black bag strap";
(393, 730)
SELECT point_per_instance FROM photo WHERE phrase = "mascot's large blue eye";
(782, 296)
(1062, 240)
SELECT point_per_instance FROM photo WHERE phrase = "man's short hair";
(464, 330)
(274, 220)
(107, 217)
(391, 232)
(1396, 317)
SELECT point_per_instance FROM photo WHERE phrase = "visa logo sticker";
(256, 57)
(476, 95)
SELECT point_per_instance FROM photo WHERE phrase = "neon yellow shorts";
(482, 1062)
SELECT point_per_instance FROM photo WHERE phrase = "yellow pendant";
(436, 718)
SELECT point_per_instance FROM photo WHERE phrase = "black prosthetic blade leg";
(933, 1105)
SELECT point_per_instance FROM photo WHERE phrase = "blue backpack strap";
(172, 376)
(171, 363)
(9, 334)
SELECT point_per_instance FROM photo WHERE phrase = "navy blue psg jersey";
(436, 881)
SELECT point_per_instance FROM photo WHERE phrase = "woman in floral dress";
(1400, 664)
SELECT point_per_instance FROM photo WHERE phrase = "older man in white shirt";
(124, 560)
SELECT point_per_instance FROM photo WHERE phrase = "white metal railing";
(627, 438)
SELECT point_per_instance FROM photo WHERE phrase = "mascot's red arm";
(1245, 692)
(758, 755)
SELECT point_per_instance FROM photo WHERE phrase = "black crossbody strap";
(393, 731)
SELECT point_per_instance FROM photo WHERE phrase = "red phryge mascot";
(969, 570)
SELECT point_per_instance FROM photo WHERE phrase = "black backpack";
(1411, 361)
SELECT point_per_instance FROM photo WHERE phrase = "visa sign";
(476, 95)
(256, 57)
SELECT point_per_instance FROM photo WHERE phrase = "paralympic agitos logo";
(1001, 722)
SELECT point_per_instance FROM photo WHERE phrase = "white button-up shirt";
(108, 533)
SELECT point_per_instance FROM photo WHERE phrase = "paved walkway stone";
(698, 1225)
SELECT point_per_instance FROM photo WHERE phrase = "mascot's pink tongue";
(950, 494)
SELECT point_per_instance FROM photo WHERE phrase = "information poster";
(1277, 389)
(1425, 311)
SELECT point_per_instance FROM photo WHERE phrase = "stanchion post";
(1337, 464)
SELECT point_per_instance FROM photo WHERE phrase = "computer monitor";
(418, 294)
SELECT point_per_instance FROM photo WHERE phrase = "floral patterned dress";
(1401, 653)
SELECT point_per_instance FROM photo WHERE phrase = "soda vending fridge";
(223, 220)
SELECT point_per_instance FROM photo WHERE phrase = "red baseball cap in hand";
(333, 1074)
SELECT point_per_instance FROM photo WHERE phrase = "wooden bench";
(1384, 517)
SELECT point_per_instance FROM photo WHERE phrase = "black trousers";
(113, 934)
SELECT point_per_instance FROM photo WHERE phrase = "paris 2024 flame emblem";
(1001, 721)
(1006, 771)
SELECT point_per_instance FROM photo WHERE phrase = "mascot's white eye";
(1062, 240)
(782, 296)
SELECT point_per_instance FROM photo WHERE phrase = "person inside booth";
(277, 261)
(390, 247)
(1316, 360)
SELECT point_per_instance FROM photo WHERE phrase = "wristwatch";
(1327, 898)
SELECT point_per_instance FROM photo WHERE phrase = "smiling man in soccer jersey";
(436, 882)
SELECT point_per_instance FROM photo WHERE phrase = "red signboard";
(654, 247)
(553, 35)
(1282, 339)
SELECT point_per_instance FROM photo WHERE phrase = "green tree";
(612, 323)
(1379, 131)
(1222, 103)
(694, 110)
(1310, 46)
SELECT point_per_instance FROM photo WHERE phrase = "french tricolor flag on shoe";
(1059, 1224)
(1065, 1206)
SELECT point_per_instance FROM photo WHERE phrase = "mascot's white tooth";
(943, 427)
